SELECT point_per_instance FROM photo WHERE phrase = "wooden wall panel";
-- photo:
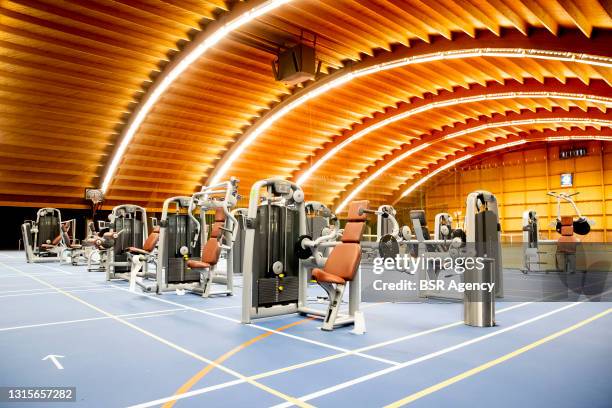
(522, 183)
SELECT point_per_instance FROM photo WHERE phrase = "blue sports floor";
(124, 349)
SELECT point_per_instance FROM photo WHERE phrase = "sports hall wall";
(520, 180)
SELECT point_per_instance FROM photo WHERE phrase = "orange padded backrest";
(344, 259)
(567, 226)
(216, 230)
(211, 251)
(219, 215)
(149, 244)
(355, 222)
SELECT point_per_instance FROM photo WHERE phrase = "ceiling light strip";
(204, 41)
(422, 146)
(453, 163)
(275, 114)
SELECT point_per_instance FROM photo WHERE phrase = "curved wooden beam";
(497, 120)
(604, 134)
(570, 45)
(572, 89)
(215, 31)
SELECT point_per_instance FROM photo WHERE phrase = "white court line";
(46, 289)
(220, 308)
(56, 269)
(205, 390)
(95, 289)
(152, 315)
(303, 339)
(169, 343)
(426, 357)
(7, 276)
(90, 319)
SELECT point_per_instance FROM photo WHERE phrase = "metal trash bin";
(479, 305)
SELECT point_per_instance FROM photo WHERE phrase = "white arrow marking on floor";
(54, 359)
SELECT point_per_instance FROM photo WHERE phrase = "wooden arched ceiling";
(74, 72)
(70, 73)
(463, 157)
(381, 178)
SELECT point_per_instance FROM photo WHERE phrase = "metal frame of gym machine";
(125, 212)
(222, 195)
(287, 300)
(30, 231)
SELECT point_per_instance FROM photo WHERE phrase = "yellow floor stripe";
(261, 386)
(200, 374)
(492, 363)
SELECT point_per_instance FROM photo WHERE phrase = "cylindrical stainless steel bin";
(479, 305)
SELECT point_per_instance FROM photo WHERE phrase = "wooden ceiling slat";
(103, 24)
(43, 70)
(573, 10)
(541, 14)
(35, 23)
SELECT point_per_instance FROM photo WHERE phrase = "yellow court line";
(492, 363)
(199, 375)
(183, 350)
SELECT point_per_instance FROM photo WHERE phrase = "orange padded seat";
(149, 244)
(210, 255)
(343, 261)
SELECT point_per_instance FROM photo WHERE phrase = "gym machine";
(581, 225)
(531, 242)
(389, 236)
(220, 197)
(74, 252)
(128, 228)
(275, 280)
(186, 260)
(43, 240)
(174, 233)
(567, 226)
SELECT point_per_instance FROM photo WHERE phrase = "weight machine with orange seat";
(43, 240)
(275, 279)
(181, 265)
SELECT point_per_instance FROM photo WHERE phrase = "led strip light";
(509, 95)
(173, 71)
(492, 149)
(420, 147)
(258, 128)
(433, 173)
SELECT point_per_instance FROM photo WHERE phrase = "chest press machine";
(275, 279)
(186, 259)
(221, 237)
